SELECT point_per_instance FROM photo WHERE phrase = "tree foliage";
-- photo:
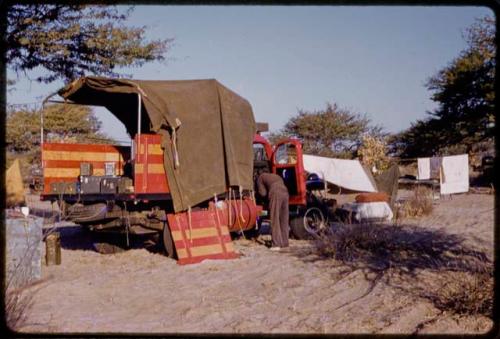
(464, 92)
(70, 40)
(62, 123)
(373, 152)
(334, 131)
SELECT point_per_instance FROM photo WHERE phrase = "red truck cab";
(284, 159)
(308, 214)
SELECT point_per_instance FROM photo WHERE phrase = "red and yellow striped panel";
(203, 238)
(61, 162)
(149, 170)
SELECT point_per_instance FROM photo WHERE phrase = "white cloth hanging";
(345, 173)
(424, 168)
(454, 174)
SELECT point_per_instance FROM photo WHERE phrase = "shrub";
(373, 152)
(466, 294)
(405, 252)
(420, 204)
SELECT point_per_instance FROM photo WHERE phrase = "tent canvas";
(208, 127)
(344, 173)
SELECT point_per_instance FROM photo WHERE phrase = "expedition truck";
(187, 176)
(189, 171)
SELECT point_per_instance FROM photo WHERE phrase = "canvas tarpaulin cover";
(203, 124)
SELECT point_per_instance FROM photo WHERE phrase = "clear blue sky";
(372, 60)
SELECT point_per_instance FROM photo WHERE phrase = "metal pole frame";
(139, 120)
(139, 114)
(41, 125)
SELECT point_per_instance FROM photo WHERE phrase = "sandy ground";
(139, 291)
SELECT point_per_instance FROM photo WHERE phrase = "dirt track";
(263, 291)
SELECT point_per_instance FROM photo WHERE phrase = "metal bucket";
(53, 249)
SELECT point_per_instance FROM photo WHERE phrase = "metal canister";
(240, 214)
(53, 249)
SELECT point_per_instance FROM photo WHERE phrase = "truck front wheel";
(308, 224)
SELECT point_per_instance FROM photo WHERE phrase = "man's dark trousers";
(278, 205)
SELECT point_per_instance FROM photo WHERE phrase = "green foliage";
(465, 93)
(275, 137)
(72, 40)
(68, 123)
(423, 138)
(333, 132)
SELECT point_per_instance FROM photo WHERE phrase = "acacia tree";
(464, 91)
(334, 131)
(62, 122)
(69, 41)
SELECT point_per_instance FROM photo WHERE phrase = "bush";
(466, 294)
(407, 251)
(373, 152)
(357, 241)
(420, 204)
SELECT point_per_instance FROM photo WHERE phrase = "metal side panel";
(200, 236)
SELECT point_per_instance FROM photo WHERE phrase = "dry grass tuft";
(17, 305)
(467, 294)
(420, 204)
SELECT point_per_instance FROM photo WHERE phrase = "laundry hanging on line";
(428, 168)
(424, 168)
(454, 174)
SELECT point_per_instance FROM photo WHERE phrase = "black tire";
(309, 224)
(105, 243)
(167, 242)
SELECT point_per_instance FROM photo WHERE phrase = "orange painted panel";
(149, 171)
(61, 161)
(200, 236)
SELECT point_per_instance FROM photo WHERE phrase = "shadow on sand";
(399, 255)
(406, 248)
(77, 237)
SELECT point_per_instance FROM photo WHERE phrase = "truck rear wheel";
(309, 224)
(167, 242)
(107, 248)
(105, 243)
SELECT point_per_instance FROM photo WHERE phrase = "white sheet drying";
(424, 168)
(341, 172)
(454, 174)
